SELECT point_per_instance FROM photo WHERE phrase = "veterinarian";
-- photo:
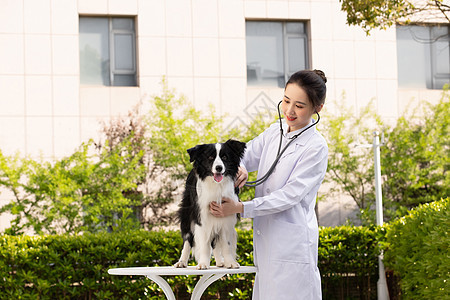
(285, 229)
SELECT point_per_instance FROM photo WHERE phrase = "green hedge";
(418, 251)
(75, 267)
(348, 261)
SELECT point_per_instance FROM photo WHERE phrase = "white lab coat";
(285, 229)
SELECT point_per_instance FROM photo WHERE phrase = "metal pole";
(382, 290)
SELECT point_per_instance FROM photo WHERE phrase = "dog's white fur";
(222, 229)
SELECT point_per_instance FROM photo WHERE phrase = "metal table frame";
(208, 276)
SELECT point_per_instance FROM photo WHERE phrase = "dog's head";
(217, 160)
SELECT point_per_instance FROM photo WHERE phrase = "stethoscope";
(280, 151)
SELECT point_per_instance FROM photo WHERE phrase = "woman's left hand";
(227, 208)
(242, 177)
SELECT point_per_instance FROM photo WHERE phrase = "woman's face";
(296, 107)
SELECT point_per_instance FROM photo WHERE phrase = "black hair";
(313, 83)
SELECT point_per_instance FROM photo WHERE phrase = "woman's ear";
(319, 108)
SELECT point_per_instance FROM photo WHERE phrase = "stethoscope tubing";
(280, 152)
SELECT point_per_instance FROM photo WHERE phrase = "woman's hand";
(241, 177)
(227, 208)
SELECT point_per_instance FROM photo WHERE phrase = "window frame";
(433, 56)
(304, 36)
(431, 73)
(112, 33)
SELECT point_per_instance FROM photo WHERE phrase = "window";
(275, 50)
(423, 56)
(107, 51)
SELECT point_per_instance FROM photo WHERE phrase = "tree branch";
(443, 8)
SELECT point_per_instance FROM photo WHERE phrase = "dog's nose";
(219, 168)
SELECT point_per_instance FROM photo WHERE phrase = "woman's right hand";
(241, 178)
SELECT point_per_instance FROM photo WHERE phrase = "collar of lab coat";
(304, 137)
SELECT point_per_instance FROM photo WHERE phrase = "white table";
(208, 276)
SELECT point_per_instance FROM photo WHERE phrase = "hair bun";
(321, 74)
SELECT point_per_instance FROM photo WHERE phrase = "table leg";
(203, 284)
(162, 283)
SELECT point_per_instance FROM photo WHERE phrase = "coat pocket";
(290, 242)
(290, 281)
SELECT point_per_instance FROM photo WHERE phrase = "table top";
(190, 270)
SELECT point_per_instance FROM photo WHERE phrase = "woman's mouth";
(290, 118)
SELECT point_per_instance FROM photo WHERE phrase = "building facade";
(66, 65)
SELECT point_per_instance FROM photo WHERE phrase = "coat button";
(268, 191)
(258, 232)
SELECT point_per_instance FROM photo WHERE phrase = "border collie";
(212, 177)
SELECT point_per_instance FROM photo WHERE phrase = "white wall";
(199, 45)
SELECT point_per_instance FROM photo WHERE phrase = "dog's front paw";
(232, 265)
(219, 264)
(202, 266)
(180, 264)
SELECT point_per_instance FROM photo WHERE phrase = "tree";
(85, 191)
(163, 134)
(350, 168)
(385, 13)
(415, 159)
(126, 180)
(174, 125)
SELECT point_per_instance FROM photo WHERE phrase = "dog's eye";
(211, 157)
(224, 157)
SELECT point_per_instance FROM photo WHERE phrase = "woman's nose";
(290, 109)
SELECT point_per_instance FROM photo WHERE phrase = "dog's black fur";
(215, 167)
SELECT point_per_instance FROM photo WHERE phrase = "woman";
(285, 229)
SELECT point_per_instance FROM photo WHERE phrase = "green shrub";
(348, 261)
(75, 267)
(414, 159)
(175, 125)
(350, 168)
(124, 181)
(417, 250)
(85, 191)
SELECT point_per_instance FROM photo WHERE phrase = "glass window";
(423, 56)
(107, 51)
(275, 50)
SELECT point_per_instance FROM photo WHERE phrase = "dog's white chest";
(208, 190)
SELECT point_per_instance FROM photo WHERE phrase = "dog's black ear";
(192, 153)
(237, 147)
